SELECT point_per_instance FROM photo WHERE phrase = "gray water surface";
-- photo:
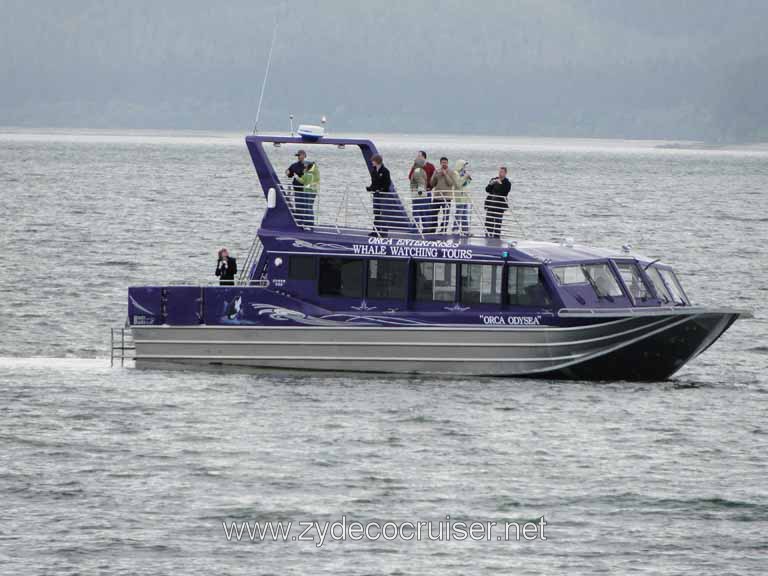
(131, 472)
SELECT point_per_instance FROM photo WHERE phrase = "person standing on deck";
(428, 217)
(381, 184)
(444, 181)
(226, 268)
(419, 199)
(295, 171)
(496, 203)
(305, 200)
(463, 200)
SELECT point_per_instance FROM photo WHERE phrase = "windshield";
(674, 286)
(658, 285)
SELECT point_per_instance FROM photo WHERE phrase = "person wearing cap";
(296, 169)
(305, 198)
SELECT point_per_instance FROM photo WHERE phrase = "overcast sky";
(647, 69)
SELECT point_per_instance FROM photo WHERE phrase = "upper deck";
(351, 210)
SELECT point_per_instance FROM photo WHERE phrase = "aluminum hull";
(636, 347)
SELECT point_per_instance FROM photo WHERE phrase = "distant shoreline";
(228, 137)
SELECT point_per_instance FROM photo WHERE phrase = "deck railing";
(355, 211)
(254, 254)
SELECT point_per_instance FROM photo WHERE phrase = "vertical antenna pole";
(266, 74)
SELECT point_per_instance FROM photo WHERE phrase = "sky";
(672, 69)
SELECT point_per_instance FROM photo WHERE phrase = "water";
(119, 471)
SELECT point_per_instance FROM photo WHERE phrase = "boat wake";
(48, 363)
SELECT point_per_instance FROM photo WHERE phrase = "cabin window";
(634, 281)
(569, 275)
(301, 268)
(436, 281)
(602, 279)
(658, 285)
(342, 277)
(387, 279)
(481, 283)
(674, 286)
(525, 286)
(599, 276)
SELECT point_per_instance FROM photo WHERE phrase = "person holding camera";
(444, 181)
(226, 268)
(462, 198)
(496, 203)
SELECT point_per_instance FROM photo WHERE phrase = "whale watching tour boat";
(358, 283)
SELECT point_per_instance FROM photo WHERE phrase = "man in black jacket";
(496, 203)
(381, 184)
(296, 171)
(226, 268)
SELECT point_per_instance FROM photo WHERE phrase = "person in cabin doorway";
(305, 199)
(381, 184)
(444, 181)
(496, 203)
(226, 268)
(462, 198)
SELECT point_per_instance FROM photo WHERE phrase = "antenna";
(266, 74)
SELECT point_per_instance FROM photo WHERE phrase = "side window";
(481, 283)
(569, 275)
(435, 281)
(599, 276)
(633, 280)
(301, 268)
(387, 279)
(341, 277)
(526, 287)
(602, 279)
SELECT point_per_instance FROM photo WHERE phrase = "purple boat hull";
(644, 347)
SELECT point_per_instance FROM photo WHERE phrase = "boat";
(362, 287)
